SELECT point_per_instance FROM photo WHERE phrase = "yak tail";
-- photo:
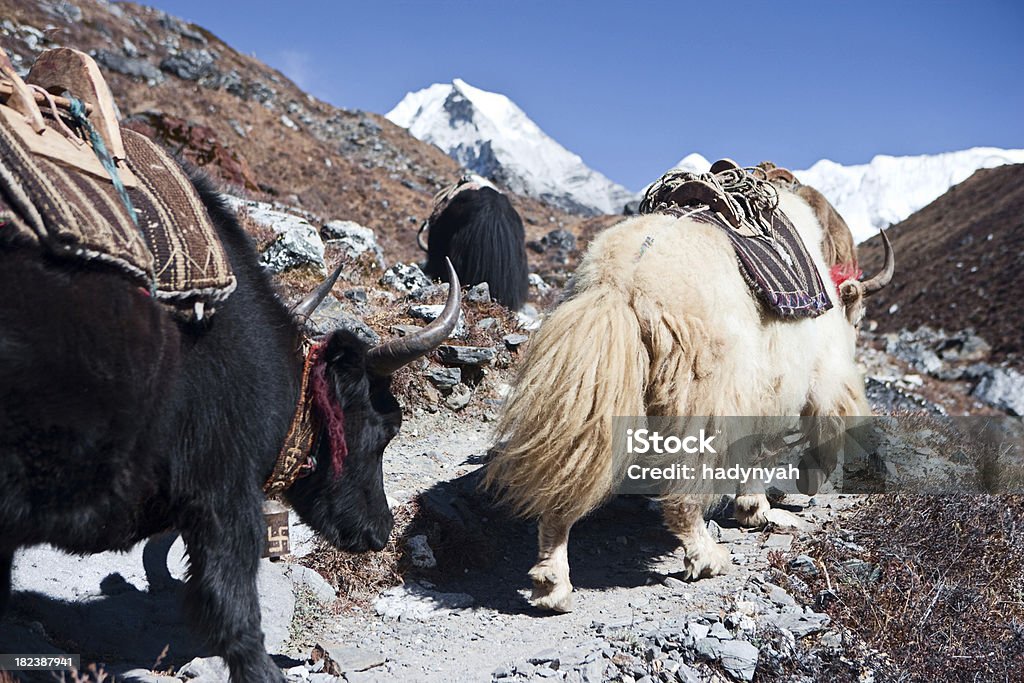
(586, 365)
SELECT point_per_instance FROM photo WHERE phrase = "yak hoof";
(752, 510)
(704, 559)
(550, 590)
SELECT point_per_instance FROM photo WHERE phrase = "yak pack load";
(82, 188)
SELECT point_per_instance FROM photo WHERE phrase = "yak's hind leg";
(684, 516)
(6, 563)
(224, 550)
(751, 509)
(550, 575)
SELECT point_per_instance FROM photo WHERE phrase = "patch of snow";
(488, 134)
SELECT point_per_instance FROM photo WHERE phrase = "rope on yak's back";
(747, 191)
(78, 113)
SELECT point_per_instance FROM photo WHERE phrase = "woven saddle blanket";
(171, 249)
(772, 257)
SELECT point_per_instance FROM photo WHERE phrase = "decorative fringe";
(330, 412)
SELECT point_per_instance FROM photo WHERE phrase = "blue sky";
(633, 87)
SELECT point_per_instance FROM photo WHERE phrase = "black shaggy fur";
(482, 234)
(116, 422)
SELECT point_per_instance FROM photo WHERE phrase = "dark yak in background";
(117, 422)
(482, 234)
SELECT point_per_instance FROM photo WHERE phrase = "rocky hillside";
(248, 124)
(960, 263)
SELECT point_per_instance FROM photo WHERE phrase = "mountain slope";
(487, 133)
(960, 262)
(246, 123)
(888, 189)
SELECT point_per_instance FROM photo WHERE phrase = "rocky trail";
(465, 619)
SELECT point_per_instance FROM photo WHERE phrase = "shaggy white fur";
(661, 323)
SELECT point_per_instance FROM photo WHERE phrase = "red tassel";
(331, 414)
(841, 272)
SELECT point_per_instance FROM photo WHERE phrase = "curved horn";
(782, 174)
(419, 236)
(386, 358)
(302, 310)
(879, 281)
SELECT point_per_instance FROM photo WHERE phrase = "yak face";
(349, 508)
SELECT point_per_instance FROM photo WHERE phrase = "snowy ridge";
(888, 189)
(488, 134)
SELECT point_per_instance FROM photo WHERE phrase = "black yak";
(117, 422)
(477, 227)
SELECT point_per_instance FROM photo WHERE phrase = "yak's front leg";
(6, 564)
(684, 516)
(551, 587)
(221, 596)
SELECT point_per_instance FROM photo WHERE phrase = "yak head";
(838, 246)
(343, 498)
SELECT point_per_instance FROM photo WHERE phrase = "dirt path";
(469, 619)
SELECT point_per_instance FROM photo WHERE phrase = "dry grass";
(361, 577)
(943, 593)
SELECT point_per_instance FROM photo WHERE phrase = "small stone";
(465, 355)
(443, 378)
(502, 672)
(1004, 389)
(779, 596)
(479, 293)
(718, 630)
(429, 312)
(698, 630)
(687, 674)
(459, 398)
(515, 340)
(405, 278)
(208, 668)
(357, 295)
(420, 552)
(544, 657)
(737, 657)
(778, 541)
(803, 565)
(865, 572)
(801, 625)
(674, 583)
(784, 519)
(311, 580)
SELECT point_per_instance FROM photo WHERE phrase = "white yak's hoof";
(752, 510)
(705, 558)
(551, 590)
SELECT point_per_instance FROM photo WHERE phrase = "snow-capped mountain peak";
(888, 189)
(489, 134)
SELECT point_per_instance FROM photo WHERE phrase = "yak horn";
(302, 310)
(419, 236)
(782, 174)
(385, 359)
(879, 281)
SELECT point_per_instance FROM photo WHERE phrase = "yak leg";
(751, 508)
(550, 575)
(684, 516)
(6, 563)
(224, 549)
